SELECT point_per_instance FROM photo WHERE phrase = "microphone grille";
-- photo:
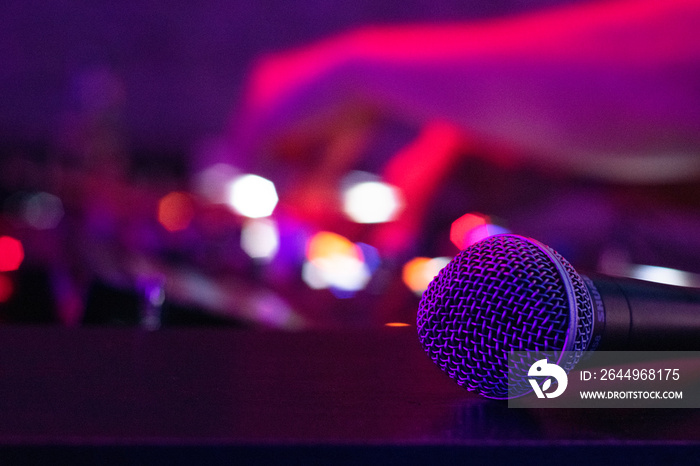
(504, 294)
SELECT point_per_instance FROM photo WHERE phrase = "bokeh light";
(39, 210)
(462, 227)
(252, 196)
(43, 211)
(212, 183)
(370, 256)
(372, 202)
(325, 245)
(260, 238)
(484, 231)
(334, 261)
(471, 228)
(668, 276)
(420, 271)
(175, 211)
(397, 324)
(11, 254)
(313, 276)
(6, 288)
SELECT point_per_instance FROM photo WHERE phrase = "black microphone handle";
(645, 316)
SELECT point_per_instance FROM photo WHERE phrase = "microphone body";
(644, 316)
(508, 295)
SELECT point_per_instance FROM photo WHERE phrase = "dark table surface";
(268, 396)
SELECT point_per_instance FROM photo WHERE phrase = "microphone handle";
(645, 316)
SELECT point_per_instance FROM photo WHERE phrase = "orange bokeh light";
(325, 245)
(420, 271)
(414, 274)
(175, 211)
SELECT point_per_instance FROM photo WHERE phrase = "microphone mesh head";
(504, 294)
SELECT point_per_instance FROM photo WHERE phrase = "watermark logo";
(542, 368)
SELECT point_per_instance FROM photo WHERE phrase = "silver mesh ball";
(502, 295)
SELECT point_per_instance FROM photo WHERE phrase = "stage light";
(370, 256)
(483, 232)
(471, 228)
(326, 245)
(175, 211)
(260, 238)
(340, 272)
(462, 227)
(372, 202)
(11, 254)
(420, 271)
(212, 183)
(396, 324)
(252, 196)
(43, 211)
(6, 288)
(313, 276)
(664, 275)
(334, 261)
(39, 210)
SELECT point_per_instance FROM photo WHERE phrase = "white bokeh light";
(652, 273)
(342, 272)
(372, 202)
(335, 262)
(260, 238)
(252, 196)
(313, 276)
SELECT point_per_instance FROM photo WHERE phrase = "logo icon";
(542, 368)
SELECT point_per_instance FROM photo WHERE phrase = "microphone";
(508, 294)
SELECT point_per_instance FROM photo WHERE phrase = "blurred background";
(313, 164)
